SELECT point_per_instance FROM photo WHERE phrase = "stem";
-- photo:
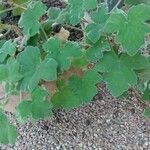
(15, 7)
(44, 33)
(8, 31)
(72, 27)
(20, 6)
(8, 9)
(116, 5)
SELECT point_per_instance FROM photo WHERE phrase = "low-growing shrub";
(53, 72)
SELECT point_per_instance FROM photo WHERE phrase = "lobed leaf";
(63, 54)
(7, 49)
(8, 132)
(34, 69)
(119, 72)
(130, 28)
(29, 20)
(78, 91)
(35, 108)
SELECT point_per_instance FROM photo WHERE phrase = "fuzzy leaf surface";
(119, 72)
(95, 52)
(63, 54)
(94, 30)
(8, 48)
(34, 69)
(10, 72)
(29, 20)
(78, 91)
(8, 132)
(130, 28)
(35, 108)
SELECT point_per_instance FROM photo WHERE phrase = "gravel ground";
(104, 124)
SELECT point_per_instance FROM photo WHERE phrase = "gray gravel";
(104, 124)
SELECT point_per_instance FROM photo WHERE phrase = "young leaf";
(35, 108)
(33, 69)
(79, 90)
(119, 72)
(94, 30)
(63, 54)
(130, 28)
(29, 20)
(8, 132)
(8, 48)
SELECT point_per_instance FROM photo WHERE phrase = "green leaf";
(130, 28)
(119, 72)
(1, 43)
(79, 62)
(100, 15)
(79, 90)
(94, 30)
(115, 22)
(90, 4)
(95, 52)
(35, 108)
(57, 15)
(146, 95)
(76, 11)
(8, 48)
(135, 2)
(33, 69)
(53, 13)
(147, 112)
(10, 72)
(65, 98)
(8, 132)
(86, 83)
(63, 54)
(3, 72)
(136, 62)
(29, 20)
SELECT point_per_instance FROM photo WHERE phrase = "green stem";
(15, 7)
(44, 33)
